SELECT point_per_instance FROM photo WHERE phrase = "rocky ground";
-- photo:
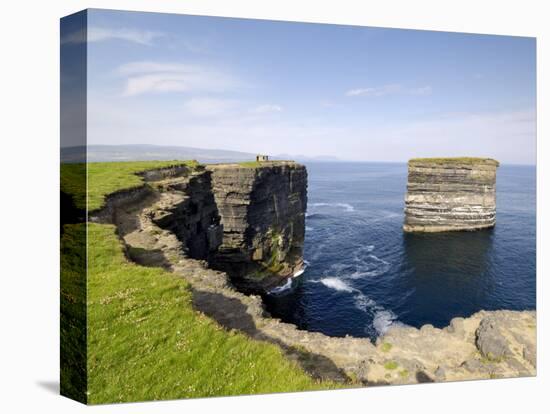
(494, 344)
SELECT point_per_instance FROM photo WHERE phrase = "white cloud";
(267, 108)
(392, 89)
(155, 77)
(423, 90)
(377, 91)
(142, 37)
(208, 107)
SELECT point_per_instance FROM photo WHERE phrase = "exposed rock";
(530, 354)
(490, 341)
(449, 194)
(262, 209)
(187, 208)
(403, 355)
(440, 373)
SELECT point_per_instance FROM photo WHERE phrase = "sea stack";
(450, 194)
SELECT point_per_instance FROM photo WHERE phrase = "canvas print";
(253, 206)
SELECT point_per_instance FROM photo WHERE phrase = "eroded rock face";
(187, 208)
(450, 194)
(262, 209)
(488, 344)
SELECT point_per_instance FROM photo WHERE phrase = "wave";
(382, 321)
(345, 206)
(364, 303)
(383, 318)
(280, 289)
(314, 215)
(299, 272)
(309, 228)
(336, 284)
(367, 265)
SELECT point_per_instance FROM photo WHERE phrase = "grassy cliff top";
(105, 178)
(146, 342)
(454, 160)
(259, 164)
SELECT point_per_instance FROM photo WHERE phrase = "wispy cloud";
(142, 37)
(154, 77)
(376, 91)
(267, 108)
(100, 34)
(208, 107)
(391, 89)
(423, 90)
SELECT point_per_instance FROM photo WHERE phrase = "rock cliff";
(247, 220)
(450, 194)
(494, 344)
(262, 208)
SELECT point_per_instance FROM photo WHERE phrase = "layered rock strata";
(187, 208)
(262, 208)
(450, 194)
(494, 344)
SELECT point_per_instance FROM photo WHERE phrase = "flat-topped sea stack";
(450, 194)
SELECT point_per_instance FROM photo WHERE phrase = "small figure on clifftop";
(262, 158)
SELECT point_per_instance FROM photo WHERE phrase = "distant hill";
(145, 152)
(103, 153)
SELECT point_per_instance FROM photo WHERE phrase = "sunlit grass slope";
(146, 342)
(105, 178)
(73, 312)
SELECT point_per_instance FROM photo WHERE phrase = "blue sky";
(356, 93)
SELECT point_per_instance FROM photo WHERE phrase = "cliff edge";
(262, 207)
(159, 223)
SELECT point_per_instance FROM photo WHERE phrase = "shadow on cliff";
(232, 314)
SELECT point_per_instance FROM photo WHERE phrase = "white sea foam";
(279, 289)
(361, 265)
(382, 321)
(336, 284)
(309, 228)
(364, 303)
(299, 272)
(345, 206)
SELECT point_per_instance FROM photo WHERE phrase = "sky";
(355, 93)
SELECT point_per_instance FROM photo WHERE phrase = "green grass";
(391, 365)
(105, 178)
(73, 312)
(251, 164)
(386, 347)
(404, 373)
(455, 160)
(145, 342)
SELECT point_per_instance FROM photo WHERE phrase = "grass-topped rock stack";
(450, 194)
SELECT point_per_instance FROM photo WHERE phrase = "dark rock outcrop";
(262, 208)
(469, 348)
(245, 220)
(187, 209)
(450, 194)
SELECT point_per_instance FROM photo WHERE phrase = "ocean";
(364, 273)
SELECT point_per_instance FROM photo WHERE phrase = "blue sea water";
(364, 274)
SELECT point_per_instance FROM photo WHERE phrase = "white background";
(29, 227)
